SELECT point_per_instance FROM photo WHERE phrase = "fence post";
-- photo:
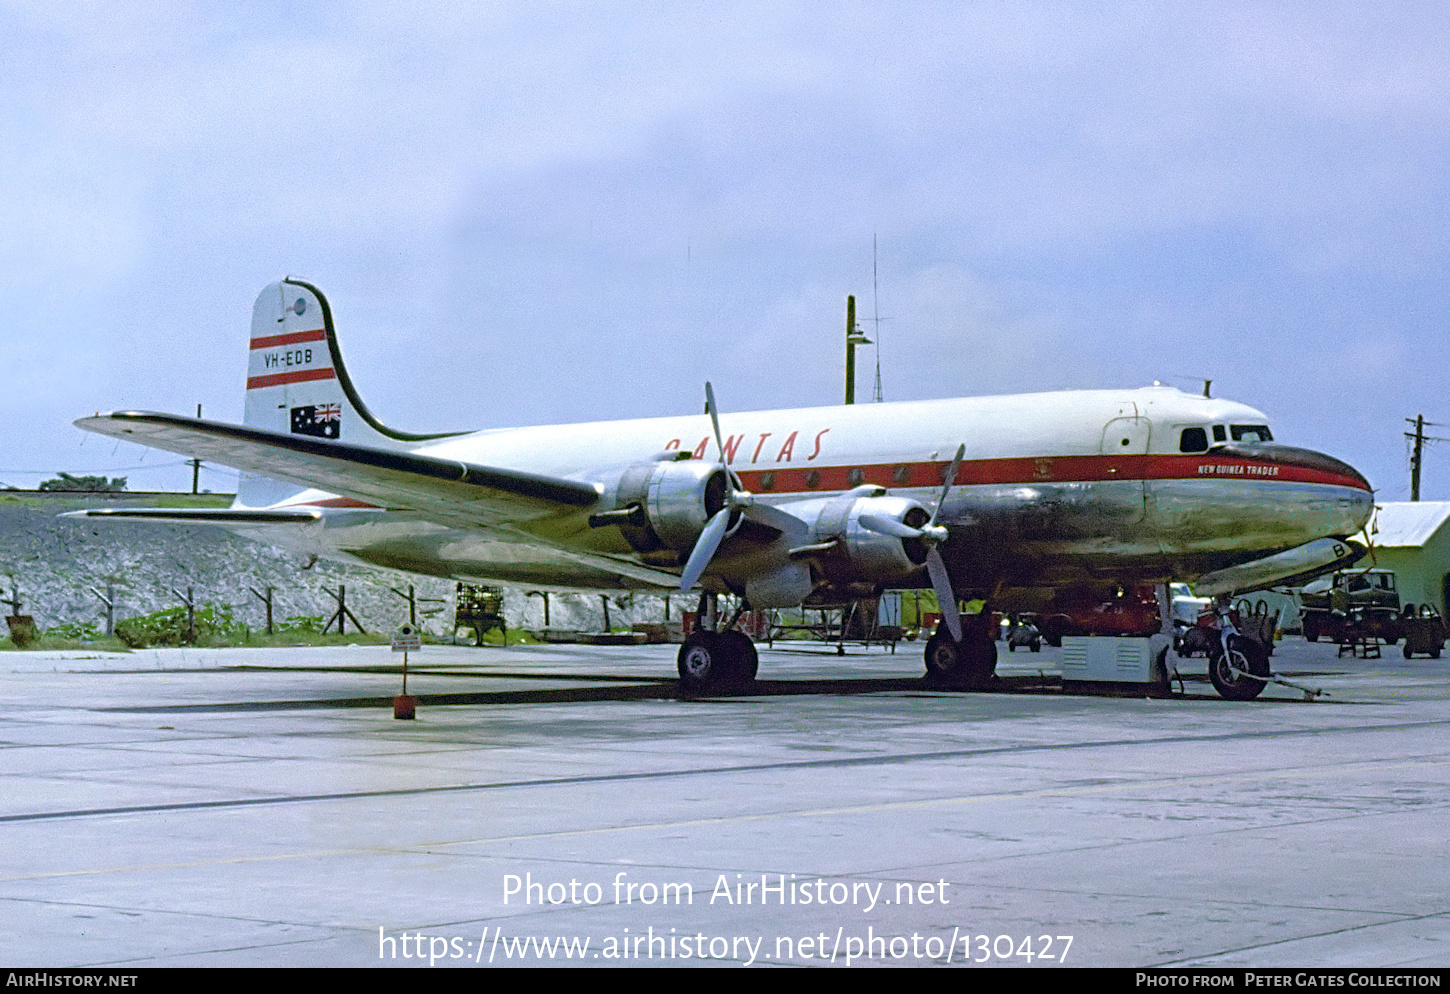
(412, 605)
(190, 611)
(267, 601)
(342, 611)
(14, 599)
(108, 599)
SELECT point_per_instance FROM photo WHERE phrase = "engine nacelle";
(666, 504)
(862, 555)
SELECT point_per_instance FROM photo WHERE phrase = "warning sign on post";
(407, 639)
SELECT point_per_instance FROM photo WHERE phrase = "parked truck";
(1364, 604)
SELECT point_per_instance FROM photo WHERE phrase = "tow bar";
(1309, 692)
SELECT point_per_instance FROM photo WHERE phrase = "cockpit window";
(1219, 435)
(1193, 440)
(1251, 433)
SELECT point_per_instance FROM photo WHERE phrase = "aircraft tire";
(1245, 654)
(703, 662)
(742, 662)
(965, 665)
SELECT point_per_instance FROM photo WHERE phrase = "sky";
(534, 213)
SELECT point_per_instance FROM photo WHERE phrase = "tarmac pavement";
(565, 805)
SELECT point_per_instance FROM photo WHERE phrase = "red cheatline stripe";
(292, 338)
(334, 502)
(1026, 471)
(300, 376)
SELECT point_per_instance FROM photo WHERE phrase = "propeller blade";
(946, 597)
(889, 526)
(705, 547)
(781, 521)
(714, 419)
(951, 477)
(711, 406)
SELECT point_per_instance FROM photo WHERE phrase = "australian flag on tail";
(322, 420)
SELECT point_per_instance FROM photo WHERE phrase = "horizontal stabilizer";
(203, 515)
(445, 490)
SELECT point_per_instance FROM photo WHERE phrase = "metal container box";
(1106, 659)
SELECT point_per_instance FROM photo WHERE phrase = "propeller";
(1370, 530)
(931, 535)
(737, 498)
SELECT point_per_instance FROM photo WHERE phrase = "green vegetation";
(88, 484)
(214, 627)
(210, 624)
(80, 635)
(79, 631)
(310, 624)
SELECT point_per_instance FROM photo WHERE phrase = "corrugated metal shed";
(1409, 523)
(1413, 539)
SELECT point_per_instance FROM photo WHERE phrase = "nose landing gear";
(1233, 672)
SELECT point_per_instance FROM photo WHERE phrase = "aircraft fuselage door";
(1126, 437)
(1129, 438)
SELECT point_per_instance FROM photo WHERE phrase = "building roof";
(1409, 523)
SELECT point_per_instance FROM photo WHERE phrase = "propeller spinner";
(737, 499)
(931, 535)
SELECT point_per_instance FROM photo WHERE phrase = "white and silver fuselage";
(1054, 488)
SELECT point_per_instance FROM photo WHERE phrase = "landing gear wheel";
(713, 661)
(1246, 655)
(967, 664)
(742, 661)
(1053, 628)
(703, 662)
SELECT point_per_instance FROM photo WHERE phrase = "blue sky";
(535, 213)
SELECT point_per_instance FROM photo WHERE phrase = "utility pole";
(853, 339)
(876, 322)
(1418, 438)
(1417, 455)
(196, 463)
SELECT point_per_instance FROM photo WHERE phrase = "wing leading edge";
(442, 489)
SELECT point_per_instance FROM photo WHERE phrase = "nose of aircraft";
(1314, 467)
(1342, 483)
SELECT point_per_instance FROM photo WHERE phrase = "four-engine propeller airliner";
(1020, 501)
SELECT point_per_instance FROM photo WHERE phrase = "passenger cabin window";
(1193, 440)
(1251, 433)
(1219, 435)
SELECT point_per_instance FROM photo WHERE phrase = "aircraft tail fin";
(297, 383)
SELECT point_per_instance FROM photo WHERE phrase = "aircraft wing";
(444, 490)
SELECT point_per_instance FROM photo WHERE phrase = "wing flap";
(442, 489)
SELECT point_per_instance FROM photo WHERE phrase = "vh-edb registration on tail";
(1025, 501)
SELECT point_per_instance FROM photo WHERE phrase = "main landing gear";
(712, 660)
(966, 665)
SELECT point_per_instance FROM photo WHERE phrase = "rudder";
(297, 383)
